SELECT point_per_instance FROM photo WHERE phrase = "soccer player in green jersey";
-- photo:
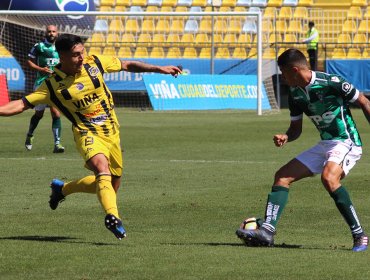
(325, 99)
(78, 90)
(42, 58)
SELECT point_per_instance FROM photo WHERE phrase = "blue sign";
(134, 81)
(14, 73)
(204, 92)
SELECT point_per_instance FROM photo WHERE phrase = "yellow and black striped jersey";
(84, 99)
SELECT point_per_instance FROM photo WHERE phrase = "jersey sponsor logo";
(94, 71)
(335, 79)
(346, 87)
(327, 118)
(73, 5)
(86, 101)
(99, 119)
(52, 61)
(80, 86)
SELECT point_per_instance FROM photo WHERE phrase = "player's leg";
(35, 119)
(341, 158)
(57, 130)
(276, 201)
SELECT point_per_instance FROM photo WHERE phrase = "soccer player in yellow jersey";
(79, 92)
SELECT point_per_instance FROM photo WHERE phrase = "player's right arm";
(32, 56)
(293, 133)
(13, 108)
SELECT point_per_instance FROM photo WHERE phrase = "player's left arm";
(13, 108)
(364, 103)
(138, 66)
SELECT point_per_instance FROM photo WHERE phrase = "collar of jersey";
(313, 78)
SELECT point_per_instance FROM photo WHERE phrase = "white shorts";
(346, 154)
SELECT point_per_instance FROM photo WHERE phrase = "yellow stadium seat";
(264, 40)
(275, 3)
(360, 40)
(177, 26)
(144, 40)
(169, 3)
(162, 26)
(128, 40)
(124, 52)
(106, 9)
(344, 40)
(364, 26)
(306, 3)
(275, 38)
(151, 9)
(339, 53)
(230, 40)
(229, 3)
(366, 53)
(285, 13)
(141, 52)
(148, 25)
(190, 52)
(202, 40)
(173, 40)
(222, 53)
(270, 13)
(239, 53)
(240, 9)
(269, 53)
(111, 51)
(141, 3)
(349, 26)
(124, 3)
(267, 26)
(354, 12)
(290, 41)
(354, 53)
(217, 39)
(120, 9)
(157, 52)
(109, 3)
(132, 26)
(173, 52)
(116, 25)
(181, 9)
(205, 53)
(95, 50)
(245, 40)
(300, 13)
(165, 9)
(235, 26)
(220, 26)
(187, 40)
(367, 13)
(97, 40)
(113, 39)
(205, 26)
(281, 26)
(252, 53)
(295, 26)
(199, 3)
(362, 3)
(159, 40)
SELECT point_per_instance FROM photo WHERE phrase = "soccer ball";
(250, 224)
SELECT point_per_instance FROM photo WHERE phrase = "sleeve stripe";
(354, 98)
(296, 118)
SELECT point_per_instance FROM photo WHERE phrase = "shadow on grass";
(280, 246)
(55, 239)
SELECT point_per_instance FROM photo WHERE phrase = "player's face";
(290, 75)
(51, 33)
(72, 61)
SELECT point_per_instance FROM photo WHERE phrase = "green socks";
(276, 201)
(345, 207)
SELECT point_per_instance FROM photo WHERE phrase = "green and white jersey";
(45, 54)
(325, 100)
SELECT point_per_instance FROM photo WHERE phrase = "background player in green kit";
(42, 58)
(325, 99)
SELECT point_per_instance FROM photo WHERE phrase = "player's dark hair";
(65, 42)
(292, 57)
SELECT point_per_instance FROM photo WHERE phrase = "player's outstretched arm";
(138, 66)
(364, 103)
(293, 133)
(13, 108)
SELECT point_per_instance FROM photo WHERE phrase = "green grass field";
(190, 179)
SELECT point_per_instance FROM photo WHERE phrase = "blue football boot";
(360, 243)
(56, 193)
(256, 237)
(115, 226)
